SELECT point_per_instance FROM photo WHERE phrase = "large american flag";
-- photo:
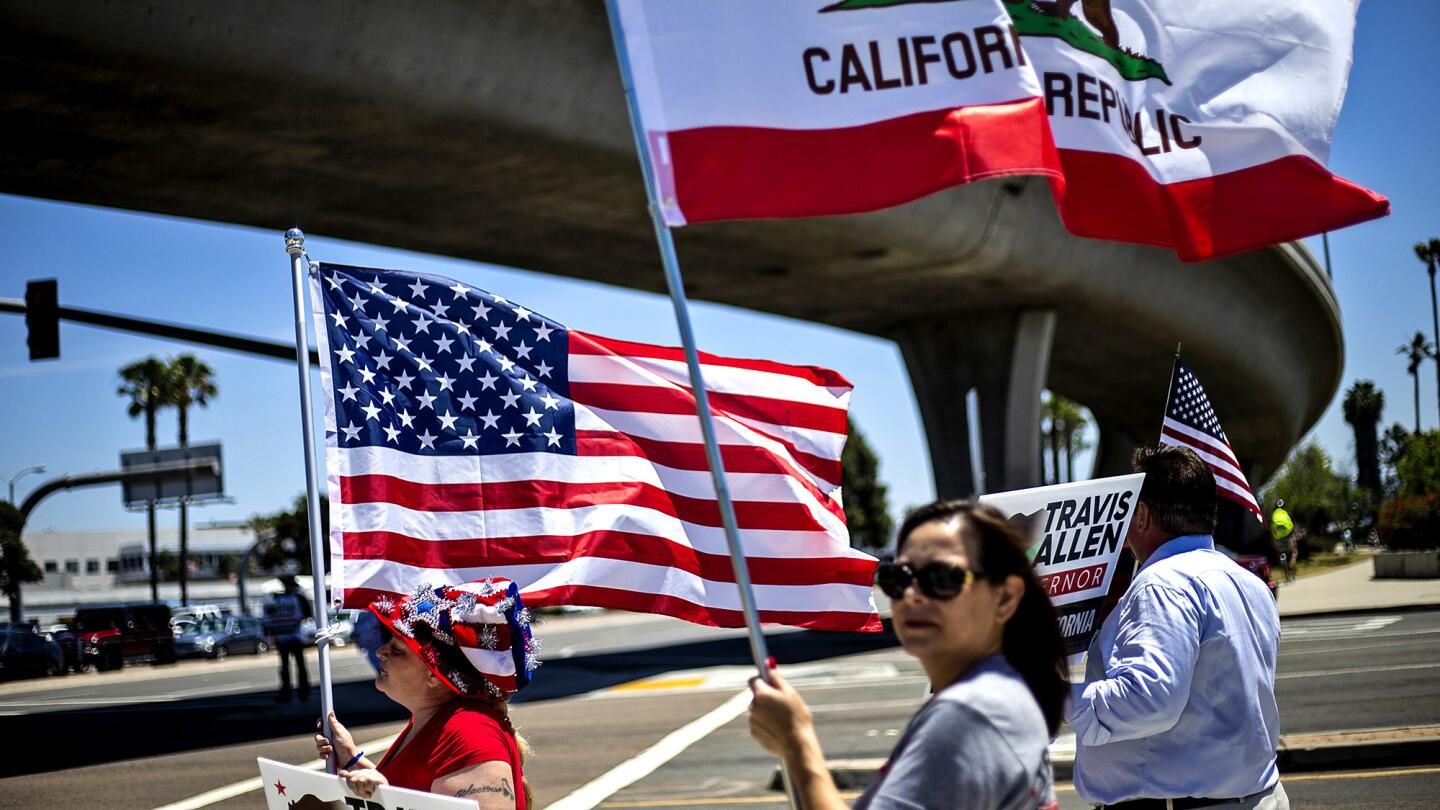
(1190, 421)
(470, 437)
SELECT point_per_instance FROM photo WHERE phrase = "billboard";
(166, 489)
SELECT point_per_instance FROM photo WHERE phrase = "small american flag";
(469, 437)
(1190, 421)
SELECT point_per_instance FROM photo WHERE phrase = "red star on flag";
(280, 787)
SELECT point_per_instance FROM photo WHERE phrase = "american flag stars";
(441, 369)
(1189, 404)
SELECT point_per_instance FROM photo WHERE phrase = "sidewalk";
(1354, 589)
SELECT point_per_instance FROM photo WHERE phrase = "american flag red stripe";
(643, 602)
(762, 395)
(464, 497)
(625, 516)
(607, 544)
(638, 353)
(691, 456)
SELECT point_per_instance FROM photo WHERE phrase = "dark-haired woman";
(454, 656)
(966, 603)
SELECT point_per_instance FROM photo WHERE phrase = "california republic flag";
(786, 108)
(1199, 126)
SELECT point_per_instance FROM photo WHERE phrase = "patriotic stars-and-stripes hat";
(475, 637)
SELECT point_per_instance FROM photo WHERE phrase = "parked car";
(343, 623)
(184, 616)
(69, 646)
(110, 635)
(1256, 564)
(218, 637)
(25, 652)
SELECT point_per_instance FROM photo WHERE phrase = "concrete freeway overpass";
(496, 130)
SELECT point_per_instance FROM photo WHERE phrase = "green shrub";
(1419, 466)
(1410, 523)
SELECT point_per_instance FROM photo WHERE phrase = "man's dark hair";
(1179, 489)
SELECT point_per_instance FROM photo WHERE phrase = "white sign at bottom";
(290, 788)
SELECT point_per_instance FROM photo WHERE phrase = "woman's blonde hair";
(502, 710)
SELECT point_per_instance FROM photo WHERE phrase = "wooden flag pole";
(676, 285)
(295, 246)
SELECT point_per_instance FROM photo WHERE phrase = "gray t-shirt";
(979, 743)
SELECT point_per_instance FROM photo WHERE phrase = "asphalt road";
(615, 685)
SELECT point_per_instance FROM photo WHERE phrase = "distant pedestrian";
(1282, 528)
(967, 604)
(284, 613)
(1178, 706)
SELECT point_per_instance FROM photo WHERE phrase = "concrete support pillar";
(1029, 367)
(1113, 450)
(1004, 356)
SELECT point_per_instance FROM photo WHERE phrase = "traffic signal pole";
(258, 347)
(140, 472)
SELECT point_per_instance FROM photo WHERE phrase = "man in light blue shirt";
(1178, 706)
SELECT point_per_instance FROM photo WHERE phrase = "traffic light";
(42, 319)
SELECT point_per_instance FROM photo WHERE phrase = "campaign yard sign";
(1076, 531)
(290, 788)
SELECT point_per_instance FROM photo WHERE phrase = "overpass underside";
(496, 131)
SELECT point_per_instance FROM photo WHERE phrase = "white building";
(101, 560)
(113, 566)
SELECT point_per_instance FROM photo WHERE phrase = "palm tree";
(1363, 406)
(1072, 424)
(1429, 254)
(1417, 351)
(1050, 413)
(148, 385)
(1065, 422)
(1392, 449)
(193, 383)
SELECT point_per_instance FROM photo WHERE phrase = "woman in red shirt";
(453, 657)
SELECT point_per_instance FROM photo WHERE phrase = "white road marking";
(1354, 671)
(1339, 627)
(1341, 637)
(822, 708)
(220, 794)
(643, 764)
(1352, 647)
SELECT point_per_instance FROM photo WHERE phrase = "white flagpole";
(676, 285)
(295, 246)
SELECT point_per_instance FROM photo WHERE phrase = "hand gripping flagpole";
(676, 285)
(295, 246)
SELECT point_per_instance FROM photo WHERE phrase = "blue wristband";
(352, 761)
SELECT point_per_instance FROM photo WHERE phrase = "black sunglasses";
(936, 580)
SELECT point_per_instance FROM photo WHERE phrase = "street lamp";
(38, 468)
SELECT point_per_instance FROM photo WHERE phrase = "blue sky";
(66, 415)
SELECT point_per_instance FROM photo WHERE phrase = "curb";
(1310, 752)
(1358, 749)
